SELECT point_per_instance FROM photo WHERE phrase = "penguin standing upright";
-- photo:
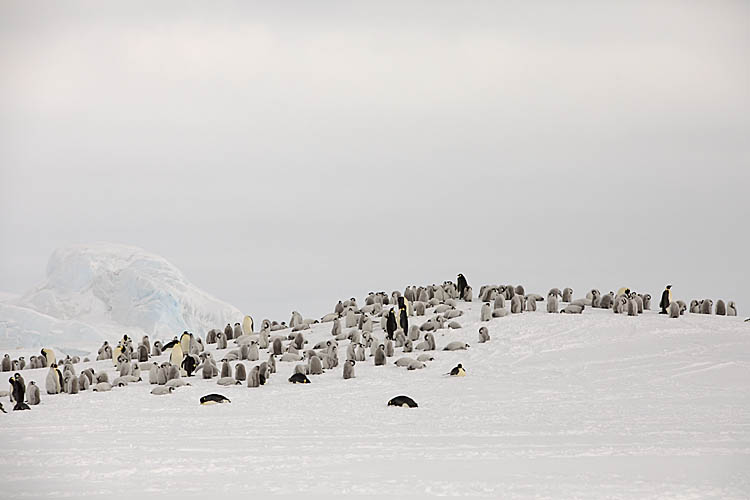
(176, 356)
(18, 387)
(666, 299)
(403, 315)
(390, 324)
(462, 284)
(49, 357)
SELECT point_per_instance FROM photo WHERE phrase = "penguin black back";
(211, 399)
(403, 401)
(299, 378)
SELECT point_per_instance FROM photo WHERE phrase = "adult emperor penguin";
(212, 399)
(18, 390)
(299, 378)
(176, 355)
(666, 299)
(349, 369)
(403, 402)
(391, 325)
(247, 325)
(462, 284)
(403, 314)
(184, 344)
(458, 371)
(49, 356)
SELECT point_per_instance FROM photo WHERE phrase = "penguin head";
(669, 286)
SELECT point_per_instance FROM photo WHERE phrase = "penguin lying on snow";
(299, 378)
(458, 371)
(212, 399)
(403, 401)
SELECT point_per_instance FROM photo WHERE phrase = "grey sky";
(284, 157)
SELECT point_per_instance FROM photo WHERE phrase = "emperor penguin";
(6, 364)
(314, 365)
(226, 370)
(484, 335)
(458, 371)
(18, 392)
(485, 313)
(388, 348)
(162, 390)
(336, 327)
(403, 402)
(707, 306)
(567, 294)
(265, 371)
(83, 382)
(299, 378)
(252, 351)
(516, 304)
(456, 346)
(349, 369)
(380, 359)
(211, 399)
(247, 325)
(176, 355)
(32, 393)
(253, 378)
(271, 364)
(184, 343)
(731, 309)
(239, 372)
(646, 301)
(277, 348)
(350, 319)
(721, 308)
(53, 380)
(229, 332)
(552, 306)
(530, 303)
(674, 310)
(49, 356)
(360, 353)
(573, 309)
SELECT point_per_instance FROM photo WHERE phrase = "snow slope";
(104, 290)
(554, 406)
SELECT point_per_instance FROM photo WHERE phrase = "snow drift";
(103, 290)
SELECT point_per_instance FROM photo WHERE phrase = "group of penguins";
(394, 314)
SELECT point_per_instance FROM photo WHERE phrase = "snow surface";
(104, 290)
(554, 406)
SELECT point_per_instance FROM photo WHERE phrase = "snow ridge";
(96, 291)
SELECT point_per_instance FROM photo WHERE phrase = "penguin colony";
(375, 330)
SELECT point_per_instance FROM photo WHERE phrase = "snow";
(104, 290)
(595, 406)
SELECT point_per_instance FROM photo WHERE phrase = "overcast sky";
(287, 156)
